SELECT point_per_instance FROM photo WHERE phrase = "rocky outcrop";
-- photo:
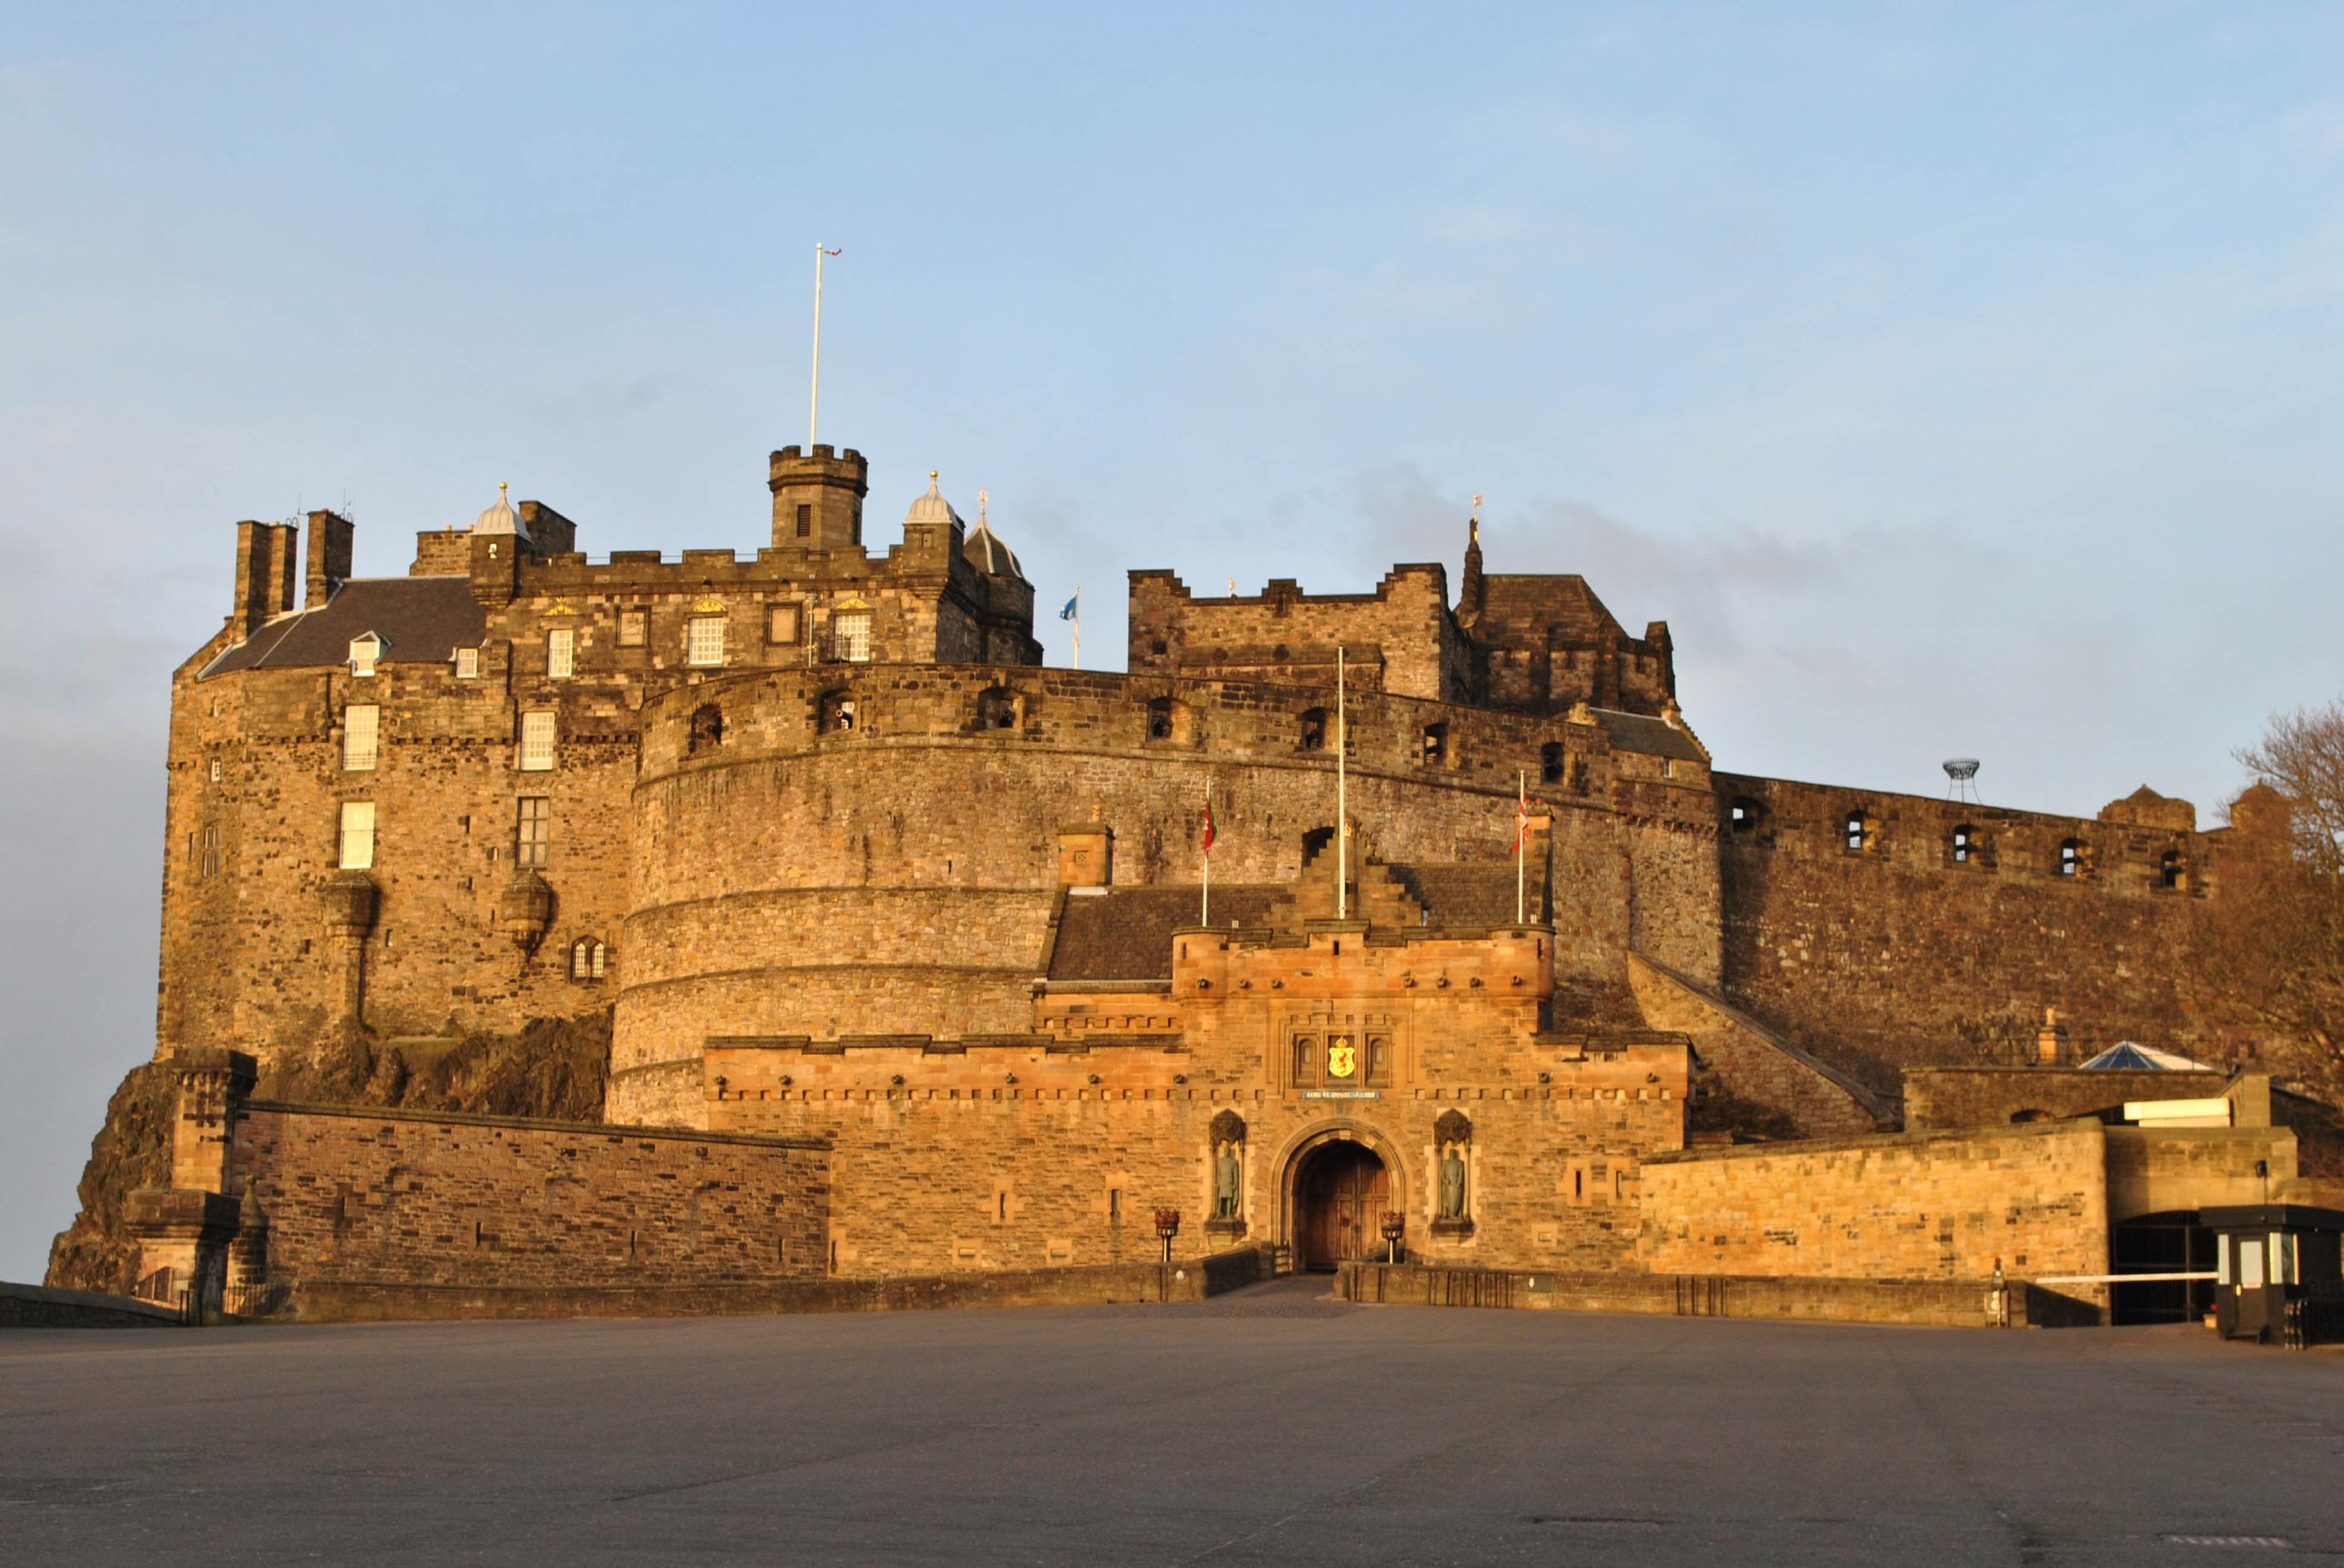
(555, 1068)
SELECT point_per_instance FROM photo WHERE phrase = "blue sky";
(1953, 380)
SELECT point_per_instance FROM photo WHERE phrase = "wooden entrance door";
(1340, 1199)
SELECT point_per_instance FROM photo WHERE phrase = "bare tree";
(2272, 945)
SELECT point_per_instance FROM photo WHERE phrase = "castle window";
(2173, 872)
(1306, 1061)
(2071, 858)
(537, 741)
(634, 627)
(1314, 731)
(1379, 1068)
(1964, 843)
(707, 731)
(834, 714)
(560, 653)
(1856, 831)
(357, 846)
(1742, 816)
(996, 708)
(703, 640)
(1436, 744)
(1550, 762)
(782, 621)
(208, 850)
(533, 831)
(361, 723)
(1160, 718)
(805, 521)
(365, 649)
(850, 635)
(468, 664)
(586, 960)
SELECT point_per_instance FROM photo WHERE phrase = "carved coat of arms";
(1342, 1057)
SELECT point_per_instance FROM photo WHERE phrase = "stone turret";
(818, 497)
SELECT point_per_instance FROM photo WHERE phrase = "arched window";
(707, 729)
(1855, 832)
(1550, 762)
(587, 959)
(1313, 736)
(2071, 858)
(996, 708)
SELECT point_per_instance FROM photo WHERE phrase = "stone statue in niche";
(1452, 1184)
(1226, 1137)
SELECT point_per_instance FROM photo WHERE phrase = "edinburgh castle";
(534, 923)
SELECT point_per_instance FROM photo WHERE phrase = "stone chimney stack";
(263, 575)
(330, 536)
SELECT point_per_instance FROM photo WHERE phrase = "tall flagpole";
(813, 407)
(1078, 619)
(1342, 800)
(1521, 836)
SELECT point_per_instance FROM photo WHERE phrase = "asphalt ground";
(1264, 1427)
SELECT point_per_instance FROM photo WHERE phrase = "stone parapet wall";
(440, 1199)
(1901, 1206)
(1189, 1279)
(1942, 1097)
(1948, 1303)
(1908, 958)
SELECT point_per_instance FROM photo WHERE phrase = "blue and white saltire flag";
(1069, 612)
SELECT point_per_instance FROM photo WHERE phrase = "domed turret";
(501, 518)
(931, 508)
(986, 551)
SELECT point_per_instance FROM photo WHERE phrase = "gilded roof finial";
(980, 509)
(1473, 528)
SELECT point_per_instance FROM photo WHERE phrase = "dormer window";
(366, 649)
(468, 664)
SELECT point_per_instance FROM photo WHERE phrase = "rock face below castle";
(829, 854)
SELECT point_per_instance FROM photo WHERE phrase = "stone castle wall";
(419, 1198)
(1905, 1206)
(1894, 950)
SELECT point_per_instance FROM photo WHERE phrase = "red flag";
(1522, 816)
(1208, 818)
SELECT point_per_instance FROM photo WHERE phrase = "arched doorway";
(1341, 1191)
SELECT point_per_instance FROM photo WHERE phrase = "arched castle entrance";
(1339, 1184)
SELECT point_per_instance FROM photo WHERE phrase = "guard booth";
(2279, 1271)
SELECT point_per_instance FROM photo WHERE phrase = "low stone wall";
(1952, 1304)
(39, 1307)
(430, 1199)
(375, 1300)
(1903, 1206)
(1943, 1097)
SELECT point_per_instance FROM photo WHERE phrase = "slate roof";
(1652, 736)
(1125, 933)
(421, 621)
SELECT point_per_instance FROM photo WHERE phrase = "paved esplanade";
(1264, 1427)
